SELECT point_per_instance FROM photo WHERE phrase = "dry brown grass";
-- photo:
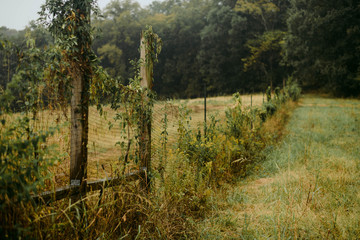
(276, 125)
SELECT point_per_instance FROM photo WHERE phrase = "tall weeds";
(184, 179)
(24, 158)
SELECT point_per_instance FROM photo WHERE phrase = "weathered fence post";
(146, 74)
(81, 75)
(79, 137)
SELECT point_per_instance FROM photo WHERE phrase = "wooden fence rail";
(71, 190)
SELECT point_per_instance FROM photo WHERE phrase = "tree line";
(226, 45)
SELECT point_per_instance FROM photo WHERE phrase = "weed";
(24, 161)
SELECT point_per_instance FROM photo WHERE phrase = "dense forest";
(229, 45)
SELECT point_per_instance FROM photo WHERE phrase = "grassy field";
(191, 174)
(308, 188)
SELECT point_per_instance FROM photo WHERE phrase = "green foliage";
(266, 54)
(270, 108)
(69, 22)
(134, 108)
(292, 89)
(305, 189)
(242, 130)
(213, 42)
(8, 60)
(265, 12)
(220, 52)
(230, 149)
(135, 103)
(200, 149)
(120, 27)
(24, 169)
(40, 79)
(152, 44)
(198, 162)
(26, 85)
(198, 35)
(322, 45)
(236, 119)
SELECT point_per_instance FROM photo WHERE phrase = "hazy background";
(16, 14)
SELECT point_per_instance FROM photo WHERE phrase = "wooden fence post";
(79, 136)
(146, 75)
(81, 75)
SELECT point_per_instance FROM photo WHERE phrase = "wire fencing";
(109, 138)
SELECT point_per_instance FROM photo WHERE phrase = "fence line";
(171, 109)
(71, 190)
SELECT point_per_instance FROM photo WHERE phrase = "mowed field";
(104, 155)
(309, 186)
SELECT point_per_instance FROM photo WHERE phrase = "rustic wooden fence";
(71, 190)
(79, 185)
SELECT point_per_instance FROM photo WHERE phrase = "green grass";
(309, 186)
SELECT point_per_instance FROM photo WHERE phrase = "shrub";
(293, 89)
(23, 172)
(270, 108)
(237, 119)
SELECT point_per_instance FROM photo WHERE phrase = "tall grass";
(188, 169)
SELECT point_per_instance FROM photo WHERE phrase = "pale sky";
(16, 14)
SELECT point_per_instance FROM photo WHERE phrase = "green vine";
(153, 45)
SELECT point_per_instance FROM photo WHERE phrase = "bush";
(23, 173)
(238, 119)
(270, 108)
(293, 89)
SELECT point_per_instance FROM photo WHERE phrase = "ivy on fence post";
(150, 47)
(80, 75)
(69, 23)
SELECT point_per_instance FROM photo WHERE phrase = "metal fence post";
(205, 126)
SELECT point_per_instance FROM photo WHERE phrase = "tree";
(222, 41)
(265, 40)
(204, 42)
(8, 61)
(24, 91)
(261, 10)
(120, 36)
(323, 44)
(177, 73)
(266, 55)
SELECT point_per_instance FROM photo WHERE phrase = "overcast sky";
(16, 14)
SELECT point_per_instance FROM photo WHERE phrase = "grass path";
(309, 186)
